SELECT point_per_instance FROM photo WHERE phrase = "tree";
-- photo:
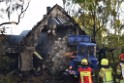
(11, 12)
(98, 15)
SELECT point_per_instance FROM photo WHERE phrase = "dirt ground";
(45, 77)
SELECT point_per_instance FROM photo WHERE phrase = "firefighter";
(120, 70)
(84, 72)
(106, 72)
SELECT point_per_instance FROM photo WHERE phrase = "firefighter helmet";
(104, 61)
(84, 61)
(121, 56)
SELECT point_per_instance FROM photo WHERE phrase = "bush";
(122, 50)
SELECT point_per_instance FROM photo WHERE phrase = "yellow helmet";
(84, 61)
(104, 61)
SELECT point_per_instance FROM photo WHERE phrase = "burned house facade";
(48, 38)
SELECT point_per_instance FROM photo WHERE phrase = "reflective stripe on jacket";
(106, 75)
(120, 72)
(85, 75)
(122, 69)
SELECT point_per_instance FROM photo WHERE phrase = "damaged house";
(48, 38)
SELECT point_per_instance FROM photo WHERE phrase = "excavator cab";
(88, 51)
(85, 49)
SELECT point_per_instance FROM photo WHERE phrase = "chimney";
(44, 15)
(48, 9)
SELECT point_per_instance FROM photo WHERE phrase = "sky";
(34, 14)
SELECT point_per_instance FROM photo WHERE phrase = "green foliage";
(118, 22)
(79, 1)
(116, 42)
(114, 13)
(77, 20)
(96, 16)
(122, 50)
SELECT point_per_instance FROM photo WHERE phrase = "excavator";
(84, 49)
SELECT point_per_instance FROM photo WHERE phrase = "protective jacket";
(120, 72)
(106, 74)
(85, 74)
